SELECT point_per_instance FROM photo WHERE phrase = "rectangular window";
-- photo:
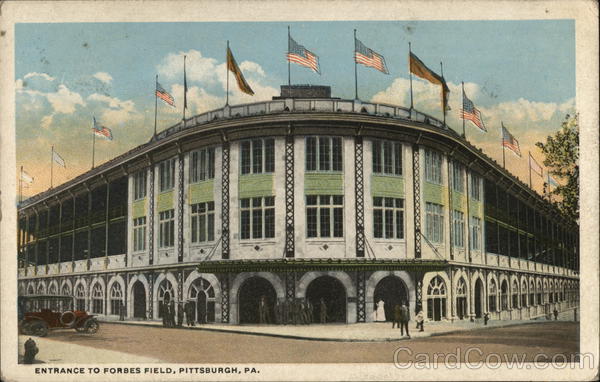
(257, 218)
(324, 216)
(202, 165)
(387, 157)
(434, 222)
(139, 234)
(203, 222)
(475, 187)
(458, 177)
(166, 234)
(257, 156)
(388, 218)
(166, 175)
(458, 229)
(475, 233)
(433, 166)
(324, 154)
(139, 185)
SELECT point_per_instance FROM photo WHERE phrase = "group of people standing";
(296, 312)
(180, 310)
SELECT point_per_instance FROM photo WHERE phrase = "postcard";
(299, 190)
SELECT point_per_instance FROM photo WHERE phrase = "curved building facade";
(322, 199)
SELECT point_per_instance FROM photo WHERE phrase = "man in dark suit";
(404, 318)
(189, 313)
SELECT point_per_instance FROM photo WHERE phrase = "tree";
(562, 160)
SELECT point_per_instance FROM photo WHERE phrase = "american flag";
(509, 141)
(471, 113)
(367, 57)
(102, 131)
(164, 95)
(302, 56)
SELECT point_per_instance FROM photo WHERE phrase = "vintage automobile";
(40, 313)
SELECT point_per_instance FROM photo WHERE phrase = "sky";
(521, 73)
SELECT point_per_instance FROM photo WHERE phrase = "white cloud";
(64, 101)
(47, 121)
(118, 112)
(198, 67)
(42, 75)
(103, 77)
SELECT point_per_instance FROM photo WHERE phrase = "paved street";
(195, 346)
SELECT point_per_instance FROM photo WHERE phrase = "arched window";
(550, 291)
(202, 295)
(42, 304)
(556, 290)
(80, 297)
(436, 299)
(540, 295)
(524, 293)
(116, 298)
(504, 295)
(515, 294)
(66, 304)
(461, 298)
(165, 295)
(30, 289)
(531, 293)
(97, 299)
(492, 296)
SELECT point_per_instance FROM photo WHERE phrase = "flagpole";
(227, 69)
(288, 60)
(93, 147)
(51, 166)
(503, 156)
(443, 94)
(21, 186)
(184, 89)
(410, 75)
(530, 169)
(463, 108)
(155, 103)
(355, 70)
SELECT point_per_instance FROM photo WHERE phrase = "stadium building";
(304, 196)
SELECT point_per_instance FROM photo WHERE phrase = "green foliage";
(562, 160)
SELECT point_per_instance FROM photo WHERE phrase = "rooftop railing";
(293, 105)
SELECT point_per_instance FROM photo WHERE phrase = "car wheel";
(92, 326)
(80, 329)
(39, 328)
(26, 328)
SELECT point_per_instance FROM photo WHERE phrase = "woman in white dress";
(380, 312)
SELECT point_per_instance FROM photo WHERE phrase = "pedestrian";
(171, 314)
(396, 320)
(404, 318)
(305, 314)
(486, 318)
(420, 320)
(323, 311)
(262, 311)
(189, 313)
(555, 314)
(310, 309)
(180, 314)
(122, 312)
(31, 350)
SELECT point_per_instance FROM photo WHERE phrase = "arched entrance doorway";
(333, 294)
(250, 295)
(461, 299)
(202, 295)
(478, 298)
(392, 292)
(139, 300)
(436, 299)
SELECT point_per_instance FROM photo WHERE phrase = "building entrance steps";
(359, 332)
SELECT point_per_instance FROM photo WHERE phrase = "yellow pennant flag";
(235, 69)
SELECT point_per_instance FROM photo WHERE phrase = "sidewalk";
(360, 332)
(51, 351)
